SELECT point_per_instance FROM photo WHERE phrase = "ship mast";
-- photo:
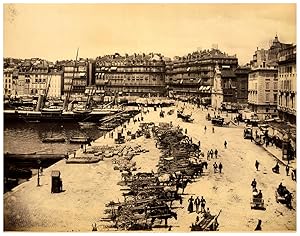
(65, 107)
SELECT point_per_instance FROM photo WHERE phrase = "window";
(275, 85)
(267, 85)
(275, 97)
(267, 97)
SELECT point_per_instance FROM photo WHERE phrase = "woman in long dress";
(191, 205)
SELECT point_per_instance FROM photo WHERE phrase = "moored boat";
(86, 125)
(79, 139)
(53, 109)
(54, 140)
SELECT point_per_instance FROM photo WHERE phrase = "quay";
(88, 187)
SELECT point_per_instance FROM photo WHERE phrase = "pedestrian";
(202, 201)
(197, 204)
(191, 206)
(225, 144)
(197, 220)
(199, 145)
(216, 153)
(211, 153)
(205, 129)
(185, 131)
(287, 169)
(258, 226)
(253, 183)
(256, 165)
(208, 154)
(215, 167)
(293, 175)
(220, 167)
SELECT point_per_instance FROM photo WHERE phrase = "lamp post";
(38, 177)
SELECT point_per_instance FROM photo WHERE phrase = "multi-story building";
(75, 78)
(192, 75)
(242, 74)
(33, 80)
(50, 83)
(287, 84)
(8, 81)
(263, 80)
(263, 89)
(137, 74)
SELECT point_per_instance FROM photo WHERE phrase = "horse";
(182, 184)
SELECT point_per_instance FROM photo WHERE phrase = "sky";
(54, 32)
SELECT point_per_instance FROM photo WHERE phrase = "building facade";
(8, 82)
(193, 75)
(242, 74)
(287, 74)
(263, 80)
(138, 74)
(75, 77)
(263, 90)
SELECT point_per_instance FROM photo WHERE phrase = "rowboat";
(79, 139)
(54, 140)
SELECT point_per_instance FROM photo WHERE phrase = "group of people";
(198, 202)
(216, 167)
(211, 153)
(212, 129)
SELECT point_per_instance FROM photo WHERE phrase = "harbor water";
(26, 137)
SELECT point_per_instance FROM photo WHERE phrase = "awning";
(199, 80)
(207, 88)
(103, 68)
(201, 88)
(188, 69)
(181, 81)
(106, 81)
(113, 68)
(191, 79)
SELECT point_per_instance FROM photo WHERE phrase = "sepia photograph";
(149, 117)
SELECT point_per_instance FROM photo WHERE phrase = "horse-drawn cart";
(207, 223)
(283, 195)
(257, 202)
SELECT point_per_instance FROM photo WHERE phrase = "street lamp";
(38, 177)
